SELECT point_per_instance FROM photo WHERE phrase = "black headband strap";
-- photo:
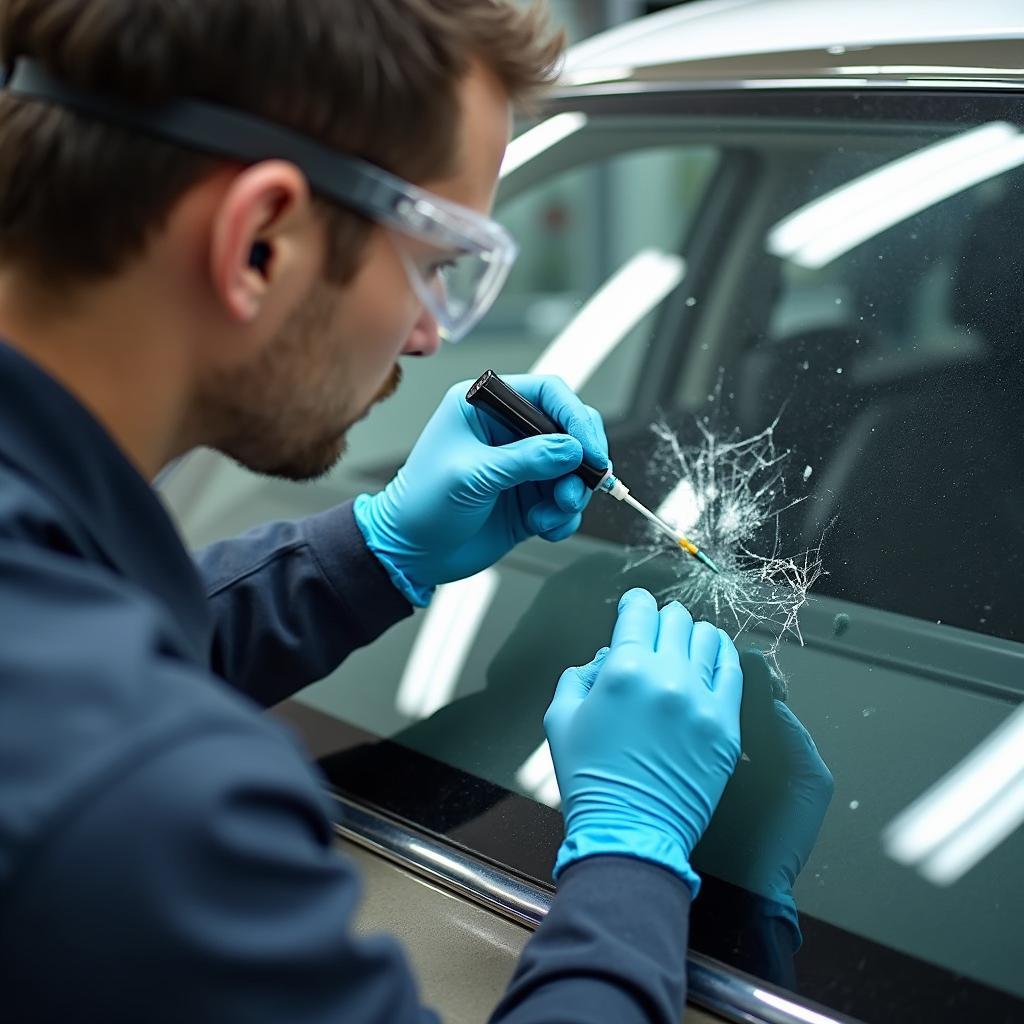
(221, 131)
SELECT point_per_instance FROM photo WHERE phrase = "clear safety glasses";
(462, 263)
(458, 260)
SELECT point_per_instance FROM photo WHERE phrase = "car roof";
(841, 40)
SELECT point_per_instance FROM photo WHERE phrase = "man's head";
(296, 308)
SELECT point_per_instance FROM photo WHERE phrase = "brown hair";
(374, 78)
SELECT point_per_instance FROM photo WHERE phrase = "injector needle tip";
(691, 548)
(707, 561)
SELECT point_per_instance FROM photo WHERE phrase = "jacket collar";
(53, 442)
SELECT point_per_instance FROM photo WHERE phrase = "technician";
(222, 224)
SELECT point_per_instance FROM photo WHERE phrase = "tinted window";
(803, 322)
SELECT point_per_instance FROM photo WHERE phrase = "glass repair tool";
(493, 396)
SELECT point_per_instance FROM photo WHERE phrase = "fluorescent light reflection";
(610, 314)
(831, 226)
(443, 643)
(793, 1009)
(997, 822)
(969, 812)
(537, 777)
(682, 507)
(524, 148)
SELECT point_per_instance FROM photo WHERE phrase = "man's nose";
(425, 339)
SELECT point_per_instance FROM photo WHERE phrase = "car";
(780, 246)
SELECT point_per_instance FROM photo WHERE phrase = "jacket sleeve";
(200, 885)
(291, 600)
(612, 948)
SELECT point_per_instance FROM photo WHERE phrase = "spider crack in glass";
(737, 489)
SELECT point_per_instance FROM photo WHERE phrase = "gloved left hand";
(470, 491)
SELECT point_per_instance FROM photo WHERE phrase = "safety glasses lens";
(460, 289)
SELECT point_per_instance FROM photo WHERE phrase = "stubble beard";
(264, 412)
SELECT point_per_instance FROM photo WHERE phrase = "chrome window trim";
(444, 864)
(625, 88)
(711, 984)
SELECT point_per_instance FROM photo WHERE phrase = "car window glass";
(823, 386)
(586, 267)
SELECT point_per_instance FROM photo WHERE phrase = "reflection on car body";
(813, 231)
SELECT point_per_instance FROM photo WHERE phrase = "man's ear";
(255, 236)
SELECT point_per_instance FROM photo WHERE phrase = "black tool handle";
(491, 394)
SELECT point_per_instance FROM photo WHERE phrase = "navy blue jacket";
(166, 852)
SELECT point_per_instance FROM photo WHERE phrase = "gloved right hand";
(470, 490)
(645, 737)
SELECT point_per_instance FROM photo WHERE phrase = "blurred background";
(584, 18)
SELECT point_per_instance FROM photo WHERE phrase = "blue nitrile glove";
(645, 737)
(469, 492)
